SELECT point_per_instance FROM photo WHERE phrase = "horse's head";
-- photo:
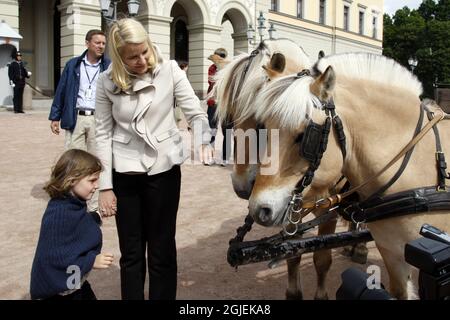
(236, 89)
(290, 104)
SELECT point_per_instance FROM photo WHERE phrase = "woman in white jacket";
(140, 147)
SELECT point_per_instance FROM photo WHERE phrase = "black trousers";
(18, 98)
(227, 138)
(84, 293)
(146, 221)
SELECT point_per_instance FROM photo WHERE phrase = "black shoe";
(21, 111)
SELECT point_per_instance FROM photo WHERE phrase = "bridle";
(313, 144)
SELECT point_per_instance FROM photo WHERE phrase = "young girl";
(70, 239)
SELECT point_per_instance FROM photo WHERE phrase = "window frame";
(374, 27)
(361, 22)
(300, 9)
(346, 18)
(275, 5)
(322, 15)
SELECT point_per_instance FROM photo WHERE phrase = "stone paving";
(208, 216)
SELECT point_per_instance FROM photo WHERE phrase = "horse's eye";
(299, 138)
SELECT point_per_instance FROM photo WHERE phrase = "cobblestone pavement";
(208, 216)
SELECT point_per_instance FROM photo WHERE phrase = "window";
(300, 9)
(322, 11)
(274, 5)
(374, 26)
(346, 17)
(361, 22)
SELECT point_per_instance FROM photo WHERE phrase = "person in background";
(73, 107)
(219, 61)
(70, 239)
(17, 74)
(141, 148)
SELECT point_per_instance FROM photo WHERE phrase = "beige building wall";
(9, 11)
(210, 24)
(330, 36)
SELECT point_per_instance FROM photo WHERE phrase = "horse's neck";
(377, 127)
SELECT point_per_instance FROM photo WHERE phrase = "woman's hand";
(103, 260)
(107, 203)
(206, 153)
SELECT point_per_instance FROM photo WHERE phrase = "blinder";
(311, 141)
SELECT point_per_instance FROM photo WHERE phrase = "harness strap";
(330, 109)
(335, 199)
(440, 157)
(425, 199)
(250, 58)
(405, 161)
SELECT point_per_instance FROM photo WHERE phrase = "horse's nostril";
(265, 214)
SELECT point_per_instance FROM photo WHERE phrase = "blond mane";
(371, 67)
(236, 89)
(289, 101)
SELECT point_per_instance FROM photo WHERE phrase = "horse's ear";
(278, 62)
(276, 65)
(324, 85)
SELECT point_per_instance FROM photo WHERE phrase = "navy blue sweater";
(69, 236)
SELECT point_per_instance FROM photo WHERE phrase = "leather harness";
(313, 144)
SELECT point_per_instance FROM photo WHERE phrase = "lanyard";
(87, 74)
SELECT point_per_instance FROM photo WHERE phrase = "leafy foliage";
(425, 34)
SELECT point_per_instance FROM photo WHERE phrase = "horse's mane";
(373, 67)
(235, 100)
(290, 102)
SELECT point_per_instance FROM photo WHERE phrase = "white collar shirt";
(88, 83)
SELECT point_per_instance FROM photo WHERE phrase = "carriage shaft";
(257, 251)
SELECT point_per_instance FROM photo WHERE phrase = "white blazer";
(136, 130)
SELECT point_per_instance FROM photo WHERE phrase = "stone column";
(9, 11)
(159, 29)
(203, 40)
(241, 44)
(77, 18)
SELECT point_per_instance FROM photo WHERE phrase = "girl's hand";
(107, 203)
(103, 260)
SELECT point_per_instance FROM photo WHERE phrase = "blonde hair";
(123, 32)
(72, 166)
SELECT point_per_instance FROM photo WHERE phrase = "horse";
(378, 102)
(236, 89)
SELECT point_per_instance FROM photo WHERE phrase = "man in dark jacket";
(17, 74)
(73, 107)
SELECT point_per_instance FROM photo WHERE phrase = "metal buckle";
(353, 218)
(290, 233)
(437, 154)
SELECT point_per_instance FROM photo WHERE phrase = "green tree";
(425, 34)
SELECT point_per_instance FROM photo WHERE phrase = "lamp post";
(251, 37)
(412, 61)
(109, 9)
